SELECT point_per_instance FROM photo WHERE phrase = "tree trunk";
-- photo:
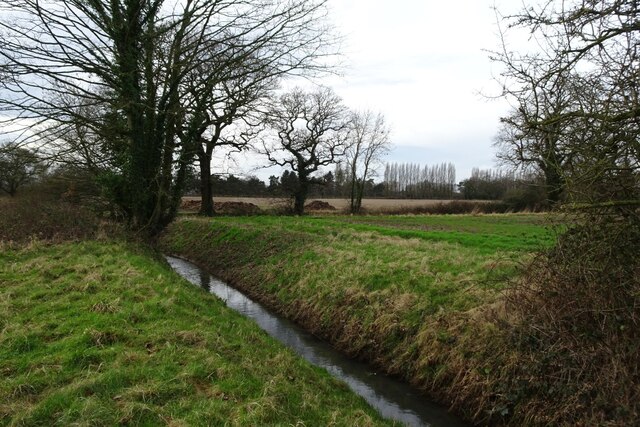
(554, 186)
(353, 197)
(206, 190)
(186, 158)
(553, 179)
(300, 196)
(359, 194)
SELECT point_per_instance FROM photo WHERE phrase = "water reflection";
(205, 280)
(393, 399)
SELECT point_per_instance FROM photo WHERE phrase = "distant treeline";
(330, 185)
(400, 180)
(523, 190)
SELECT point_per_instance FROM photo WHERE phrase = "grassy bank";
(406, 293)
(102, 333)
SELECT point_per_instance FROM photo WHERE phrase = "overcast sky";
(423, 64)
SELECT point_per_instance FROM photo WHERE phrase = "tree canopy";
(120, 73)
(19, 166)
(309, 130)
(576, 110)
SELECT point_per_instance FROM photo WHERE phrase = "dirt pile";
(190, 205)
(223, 208)
(236, 208)
(318, 205)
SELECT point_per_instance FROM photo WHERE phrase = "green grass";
(486, 233)
(103, 334)
(449, 262)
(407, 293)
(365, 282)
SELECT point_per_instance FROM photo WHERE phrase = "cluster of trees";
(408, 180)
(493, 184)
(311, 130)
(520, 189)
(576, 115)
(228, 185)
(19, 166)
(286, 184)
(342, 184)
(137, 91)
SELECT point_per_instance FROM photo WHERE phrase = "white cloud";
(423, 63)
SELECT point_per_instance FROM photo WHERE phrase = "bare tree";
(576, 97)
(578, 90)
(133, 57)
(19, 166)
(525, 143)
(369, 142)
(311, 130)
(223, 109)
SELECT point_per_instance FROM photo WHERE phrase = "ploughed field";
(370, 205)
(407, 293)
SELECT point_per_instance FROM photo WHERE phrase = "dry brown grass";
(577, 314)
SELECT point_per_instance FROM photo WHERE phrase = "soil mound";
(318, 205)
(190, 205)
(236, 208)
(223, 208)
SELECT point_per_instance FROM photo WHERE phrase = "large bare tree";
(224, 108)
(369, 143)
(530, 139)
(575, 95)
(310, 131)
(133, 58)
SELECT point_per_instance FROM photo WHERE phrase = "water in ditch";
(392, 398)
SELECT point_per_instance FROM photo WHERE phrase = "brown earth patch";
(223, 208)
(319, 205)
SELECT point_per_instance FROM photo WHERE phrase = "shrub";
(576, 313)
(30, 217)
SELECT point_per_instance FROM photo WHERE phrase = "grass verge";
(102, 333)
(408, 294)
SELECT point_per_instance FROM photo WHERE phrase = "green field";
(97, 333)
(398, 291)
(445, 262)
